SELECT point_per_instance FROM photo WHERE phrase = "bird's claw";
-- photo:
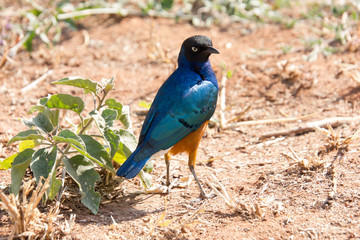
(204, 196)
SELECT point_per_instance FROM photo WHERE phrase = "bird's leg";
(167, 162)
(192, 161)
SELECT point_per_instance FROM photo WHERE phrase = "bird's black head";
(198, 48)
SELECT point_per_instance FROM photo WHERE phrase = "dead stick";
(311, 126)
(268, 121)
(37, 81)
(4, 58)
(223, 100)
(119, 11)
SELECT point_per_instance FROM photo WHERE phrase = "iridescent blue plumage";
(183, 103)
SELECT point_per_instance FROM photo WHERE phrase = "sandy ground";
(279, 198)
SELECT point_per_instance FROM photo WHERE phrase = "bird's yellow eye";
(194, 49)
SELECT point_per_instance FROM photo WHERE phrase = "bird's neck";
(199, 66)
(203, 69)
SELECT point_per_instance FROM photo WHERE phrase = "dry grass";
(155, 50)
(251, 209)
(310, 163)
(174, 228)
(180, 227)
(28, 222)
(334, 140)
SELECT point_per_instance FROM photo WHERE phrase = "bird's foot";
(204, 196)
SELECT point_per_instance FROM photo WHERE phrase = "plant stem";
(86, 12)
(64, 171)
(97, 109)
(120, 11)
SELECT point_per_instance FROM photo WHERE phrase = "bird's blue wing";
(174, 115)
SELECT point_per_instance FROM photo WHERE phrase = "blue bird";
(180, 112)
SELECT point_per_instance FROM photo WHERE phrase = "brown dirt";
(291, 203)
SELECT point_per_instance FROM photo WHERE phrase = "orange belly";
(189, 143)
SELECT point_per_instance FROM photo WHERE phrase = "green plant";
(50, 146)
(155, 5)
(285, 49)
(281, 4)
(47, 20)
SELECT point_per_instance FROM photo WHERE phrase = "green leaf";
(71, 24)
(18, 169)
(5, 164)
(144, 104)
(42, 163)
(125, 117)
(119, 156)
(128, 138)
(67, 136)
(28, 123)
(79, 82)
(43, 122)
(99, 120)
(82, 171)
(113, 104)
(149, 166)
(28, 44)
(54, 188)
(146, 179)
(113, 141)
(35, 12)
(27, 144)
(167, 4)
(43, 101)
(26, 135)
(109, 84)
(127, 145)
(96, 151)
(103, 124)
(109, 115)
(229, 74)
(66, 101)
(53, 115)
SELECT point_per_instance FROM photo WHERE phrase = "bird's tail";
(130, 167)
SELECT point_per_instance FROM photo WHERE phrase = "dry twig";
(355, 76)
(312, 126)
(37, 81)
(268, 121)
(222, 94)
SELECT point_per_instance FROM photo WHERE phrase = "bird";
(180, 111)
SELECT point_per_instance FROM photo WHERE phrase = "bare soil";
(283, 200)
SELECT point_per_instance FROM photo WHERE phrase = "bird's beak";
(212, 50)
